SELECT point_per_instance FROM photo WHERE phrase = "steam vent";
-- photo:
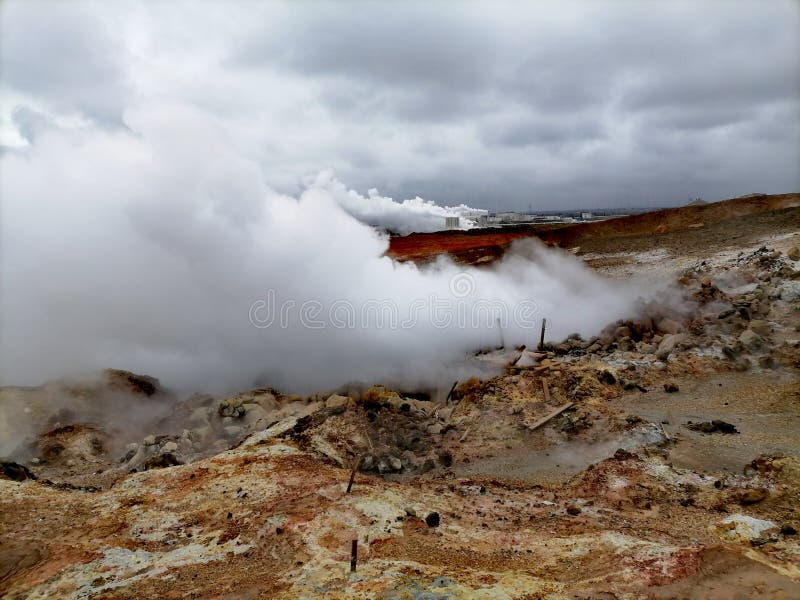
(348, 300)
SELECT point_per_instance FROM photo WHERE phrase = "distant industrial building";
(452, 223)
(479, 220)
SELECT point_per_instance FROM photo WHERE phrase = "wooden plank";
(546, 391)
(552, 415)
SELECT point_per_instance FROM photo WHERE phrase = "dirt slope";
(485, 245)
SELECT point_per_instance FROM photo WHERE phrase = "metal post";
(353, 556)
(541, 339)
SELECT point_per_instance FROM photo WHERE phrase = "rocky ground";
(660, 459)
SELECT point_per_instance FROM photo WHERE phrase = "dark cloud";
(64, 55)
(29, 122)
(379, 43)
(536, 130)
(495, 104)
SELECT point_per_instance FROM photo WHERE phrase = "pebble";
(432, 520)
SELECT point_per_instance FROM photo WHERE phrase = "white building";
(479, 220)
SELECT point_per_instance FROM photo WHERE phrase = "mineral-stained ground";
(660, 459)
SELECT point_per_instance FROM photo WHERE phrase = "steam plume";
(410, 215)
(157, 249)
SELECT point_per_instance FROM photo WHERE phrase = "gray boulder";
(668, 344)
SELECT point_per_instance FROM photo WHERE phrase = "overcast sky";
(497, 105)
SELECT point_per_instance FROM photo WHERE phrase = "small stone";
(336, 401)
(668, 344)
(435, 428)
(410, 511)
(750, 339)
(788, 530)
(729, 352)
(671, 387)
(446, 458)
(432, 520)
(621, 332)
(743, 528)
(150, 440)
(170, 447)
(714, 426)
(669, 326)
(395, 463)
(573, 510)
(793, 253)
(231, 407)
(607, 377)
(160, 461)
(753, 496)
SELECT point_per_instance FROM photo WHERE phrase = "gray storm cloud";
(496, 105)
(161, 249)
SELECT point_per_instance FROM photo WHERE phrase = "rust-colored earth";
(485, 245)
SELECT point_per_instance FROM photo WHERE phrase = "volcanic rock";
(432, 520)
(750, 339)
(670, 326)
(752, 496)
(668, 344)
(15, 471)
(715, 426)
(231, 407)
(336, 401)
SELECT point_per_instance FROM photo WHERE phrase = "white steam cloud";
(162, 250)
(410, 215)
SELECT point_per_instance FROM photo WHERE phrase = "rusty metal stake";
(353, 474)
(353, 556)
(541, 338)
